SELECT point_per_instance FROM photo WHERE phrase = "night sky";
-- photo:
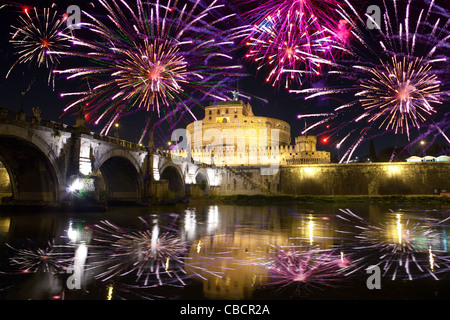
(281, 104)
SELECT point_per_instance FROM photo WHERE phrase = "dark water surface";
(206, 251)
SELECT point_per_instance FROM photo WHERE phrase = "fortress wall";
(342, 179)
(365, 178)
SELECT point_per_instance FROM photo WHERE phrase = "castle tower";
(305, 143)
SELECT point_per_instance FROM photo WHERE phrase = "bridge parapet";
(49, 162)
(10, 116)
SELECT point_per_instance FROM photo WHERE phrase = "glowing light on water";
(399, 228)
(311, 230)
(110, 292)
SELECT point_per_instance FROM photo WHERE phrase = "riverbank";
(264, 199)
(241, 199)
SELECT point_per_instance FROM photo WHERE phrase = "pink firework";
(304, 270)
(291, 39)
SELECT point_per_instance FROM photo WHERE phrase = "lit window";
(222, 119)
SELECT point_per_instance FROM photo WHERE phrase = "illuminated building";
(230, 134)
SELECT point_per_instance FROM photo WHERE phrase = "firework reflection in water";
(404, 247)
(155, 256)
(50, 258)
(304, 269)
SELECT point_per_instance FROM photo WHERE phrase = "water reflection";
(405, 245)
(229, 252)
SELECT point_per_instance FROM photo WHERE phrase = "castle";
(230, 134)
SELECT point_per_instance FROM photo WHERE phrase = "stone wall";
(342, 179)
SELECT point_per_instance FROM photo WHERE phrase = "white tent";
(429, 158)
(414, 159)
(443, 158)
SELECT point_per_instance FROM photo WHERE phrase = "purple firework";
(290, 39)
(304, 269)
(404, 246)
(161, 56)
(392, 80)
(51, 258)
(154, 256)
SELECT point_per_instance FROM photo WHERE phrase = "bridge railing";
(27, 118)
(21, 117)
(120, 142)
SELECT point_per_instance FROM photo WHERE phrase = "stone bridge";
(54, 164)
(49, 162)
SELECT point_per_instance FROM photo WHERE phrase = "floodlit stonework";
(230, 134)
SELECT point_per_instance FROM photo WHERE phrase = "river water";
(203, 250)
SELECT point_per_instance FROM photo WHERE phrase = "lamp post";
(422, 144)
(116, 133)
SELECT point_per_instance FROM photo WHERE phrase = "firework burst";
(38, 34)
(403, 247)
(155, 256)
(153, 57)
(303, 269)
(50, 258)
(395, 78)
(290, 39)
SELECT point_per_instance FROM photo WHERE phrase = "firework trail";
(395, 77)
(291, 39)
(163, 56)
(38, 34)
(404, 247)
(304, 268)
(155, 256)
(51, 258)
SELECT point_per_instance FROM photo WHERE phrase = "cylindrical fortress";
(231, 134)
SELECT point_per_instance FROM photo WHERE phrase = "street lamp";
(116, 133)
(422, 144)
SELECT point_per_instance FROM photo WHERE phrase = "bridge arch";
(120, 175)
(32, 166)
(201, 177)
(173, 174)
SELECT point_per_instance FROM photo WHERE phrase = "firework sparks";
(304, 269)
(154, 57)
(291, 39)
(51, 259)
(403, 247)
(156, 255)
(38, 34)
(396, 84)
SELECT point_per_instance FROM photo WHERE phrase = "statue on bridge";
(37, 112)
(80, 120)
(36, 115)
